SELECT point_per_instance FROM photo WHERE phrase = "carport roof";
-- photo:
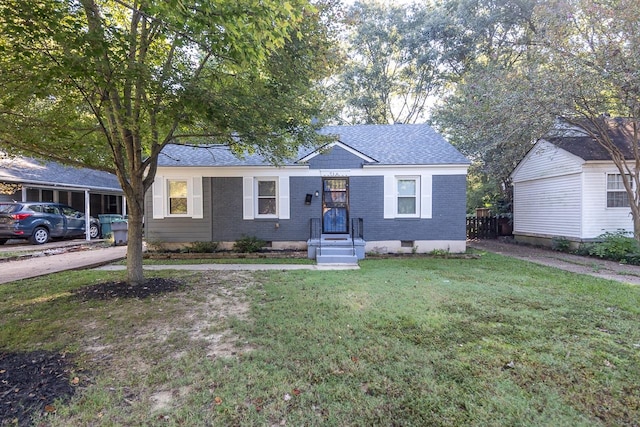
(27, 170)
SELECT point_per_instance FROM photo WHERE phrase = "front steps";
(336, 249)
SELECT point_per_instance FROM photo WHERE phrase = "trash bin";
(105, 222)
(120, 232)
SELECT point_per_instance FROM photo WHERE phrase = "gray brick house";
(378, 188)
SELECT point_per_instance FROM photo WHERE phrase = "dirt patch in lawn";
(179, 315)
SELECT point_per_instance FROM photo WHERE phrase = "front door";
(335, 205)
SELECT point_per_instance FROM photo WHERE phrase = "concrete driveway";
(53, 257)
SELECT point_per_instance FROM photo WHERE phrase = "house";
(568, 187)
(27, 179)
(375, 188)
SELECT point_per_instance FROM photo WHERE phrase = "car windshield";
(9, 207)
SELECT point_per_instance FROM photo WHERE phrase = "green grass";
(407, 341)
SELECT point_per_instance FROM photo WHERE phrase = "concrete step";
(337, 259)
(336, 250)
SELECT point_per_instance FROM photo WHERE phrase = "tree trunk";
(135, 274)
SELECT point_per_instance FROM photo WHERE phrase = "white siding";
(597, 217)
(548, 207)
(546, 160)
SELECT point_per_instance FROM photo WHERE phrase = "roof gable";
(328, 147)
(546, 160)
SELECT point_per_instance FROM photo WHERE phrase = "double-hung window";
(266, 197)
(617, 196)
(407, 196)
(177, 191)
(177, 197)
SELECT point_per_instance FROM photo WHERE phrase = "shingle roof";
(388, 144)
(587, 148)
(28, 170)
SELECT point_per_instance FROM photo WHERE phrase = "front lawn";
(405, 341)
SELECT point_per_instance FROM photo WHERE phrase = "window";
(407, 191)
(266, 197)
(616, 194)
(177, 197)
(407, 196)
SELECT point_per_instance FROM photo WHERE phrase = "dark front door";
(335, 205)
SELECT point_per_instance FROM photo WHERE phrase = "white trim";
(195, 200)
(256, 197)
(389, 197)
(247, 197)
(304, 171)
(426, 202)
(417, 196)
(167, 207)
(158, 197)
(284, 202)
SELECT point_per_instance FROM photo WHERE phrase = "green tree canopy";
(108, 83)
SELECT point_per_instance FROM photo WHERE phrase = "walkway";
(595, 267)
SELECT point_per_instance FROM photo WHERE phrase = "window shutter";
(284, 208)
(425, 196)
(158, 197)
(389, 196)
(247, 197)
(197, 208)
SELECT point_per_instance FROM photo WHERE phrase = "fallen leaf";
(296, 391)
(218, 400)
(75, 381)
(354, 359)
(50, 409)
(287, 397)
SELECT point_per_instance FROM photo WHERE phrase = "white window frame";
(250, 197)
(161, 203)
(416, 196)
(617, 190)
(257, 197)
(424, 200)
(168, 182)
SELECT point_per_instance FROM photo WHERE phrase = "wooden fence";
(487, 227)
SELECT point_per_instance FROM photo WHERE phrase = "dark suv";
(40, 221)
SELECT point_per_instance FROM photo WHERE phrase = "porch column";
(87, 215)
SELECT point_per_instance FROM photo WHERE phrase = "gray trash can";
(120, 231)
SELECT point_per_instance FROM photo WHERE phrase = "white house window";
(266, 197)
(616, 194)
(407, 196)
(177, 191)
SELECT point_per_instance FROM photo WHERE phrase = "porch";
(336, 248)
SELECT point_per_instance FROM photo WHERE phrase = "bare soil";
(31, 382)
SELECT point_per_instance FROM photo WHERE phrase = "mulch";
(31, 383)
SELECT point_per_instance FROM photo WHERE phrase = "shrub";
(560, 244)
(202, 247)
(248, 244)
(616, 246)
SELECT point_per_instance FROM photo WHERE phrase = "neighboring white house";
(567, 187)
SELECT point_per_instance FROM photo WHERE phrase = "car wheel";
(40, 236)
(94, 231)
(3, 241)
